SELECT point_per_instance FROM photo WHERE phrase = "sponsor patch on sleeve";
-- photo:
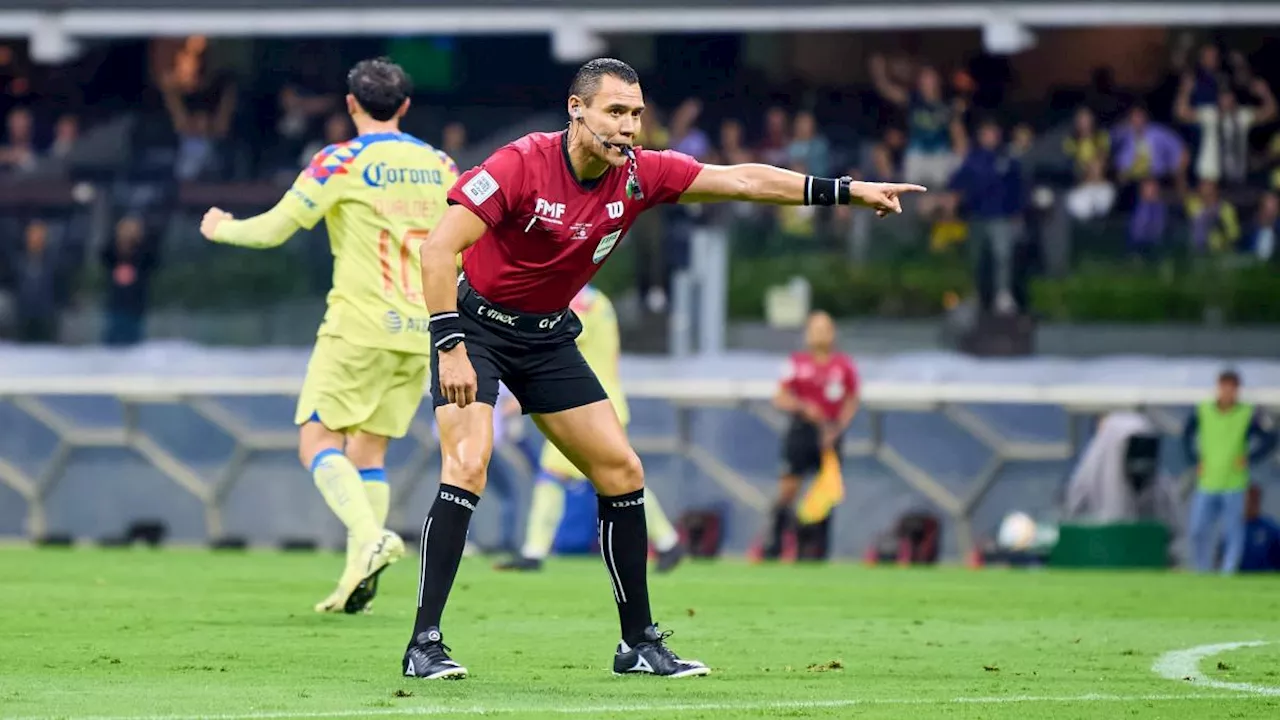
(481, 187)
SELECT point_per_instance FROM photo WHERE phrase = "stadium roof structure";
(53, 25)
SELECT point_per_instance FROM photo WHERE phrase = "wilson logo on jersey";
(615, 209)
(606, 244)
(379, 175)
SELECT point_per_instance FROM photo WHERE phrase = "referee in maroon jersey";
(534, 222)
(819, 389)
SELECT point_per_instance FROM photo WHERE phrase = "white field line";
(653, 708)
(1184, 665)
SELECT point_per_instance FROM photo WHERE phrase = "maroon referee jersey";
(549, 232)
(827, 384)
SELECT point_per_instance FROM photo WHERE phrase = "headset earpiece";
(577, 113)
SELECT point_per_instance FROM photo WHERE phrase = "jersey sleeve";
(789, 371)
(666, 174)
(317, 187)
(491, 189)
(852, 381)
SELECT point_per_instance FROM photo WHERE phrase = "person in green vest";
(1222, 438)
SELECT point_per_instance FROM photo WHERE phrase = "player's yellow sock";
(662, 533)
(546, 508)
(340, 484)
(378, 492)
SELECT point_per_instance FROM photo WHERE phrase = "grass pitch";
(180, 634)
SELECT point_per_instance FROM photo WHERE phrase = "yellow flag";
(826, 492)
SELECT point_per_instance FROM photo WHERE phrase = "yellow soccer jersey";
(600, 345)
(380, 195)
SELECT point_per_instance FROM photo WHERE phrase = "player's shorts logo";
(507, 319)
(393, 322)
(606, 245)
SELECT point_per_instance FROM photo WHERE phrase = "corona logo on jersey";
(381, 175)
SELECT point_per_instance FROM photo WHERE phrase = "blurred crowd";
(1197, 176)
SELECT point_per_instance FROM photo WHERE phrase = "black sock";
(624, 545)
(781, 523)
(444, 535)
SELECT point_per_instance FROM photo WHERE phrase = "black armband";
(446, 330)
(826, 191)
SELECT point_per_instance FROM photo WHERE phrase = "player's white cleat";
(363, 571)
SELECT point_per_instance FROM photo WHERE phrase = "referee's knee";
(625, 475)
(466, 472)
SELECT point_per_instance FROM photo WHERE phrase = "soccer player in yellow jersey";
(379, 194)
(599, 344)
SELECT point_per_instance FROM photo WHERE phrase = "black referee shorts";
(802, 449)
(536, 356)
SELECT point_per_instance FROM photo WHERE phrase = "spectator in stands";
(453, 139)
(337, 129)
(1263, 239)
(777, 137)
(733, 150)
(1215, 226)
(1086, 143)
(932, 123)
(299, 111)
(1267, 164)
(1149, 221)
(19, 152)
(66, 133)
(886, 156)
(1144, 149)
(129, 261)
(1222, 438)
(989, 184)
(1208, 77)
(38, 290)
(1224, 129)
(1261, 536)
(200, 106)
(1094, 197)
(686, 137)
(808, 148)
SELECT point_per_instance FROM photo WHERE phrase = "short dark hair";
(380, 86)
(1229, 376)
(586, 82)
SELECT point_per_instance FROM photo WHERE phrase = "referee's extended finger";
(905, 187)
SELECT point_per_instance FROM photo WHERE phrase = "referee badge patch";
(606, 244)
(481, 187)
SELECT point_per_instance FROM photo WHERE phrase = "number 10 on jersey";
(404, 248)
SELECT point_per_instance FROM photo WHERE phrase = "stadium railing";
(966, 451)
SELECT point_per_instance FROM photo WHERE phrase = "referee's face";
(614, 114)
(820, 333)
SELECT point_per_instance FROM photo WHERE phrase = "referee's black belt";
(470, 302)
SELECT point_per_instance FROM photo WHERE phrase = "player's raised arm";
(270, 229)
(755, 182)
(315, 190)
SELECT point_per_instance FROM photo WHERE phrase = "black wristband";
(446, 330)
(826, 191)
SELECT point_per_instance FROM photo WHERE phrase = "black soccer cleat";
(653, 657)
(520, 563)
(427, 657)
(363, 595)
(667, 561)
